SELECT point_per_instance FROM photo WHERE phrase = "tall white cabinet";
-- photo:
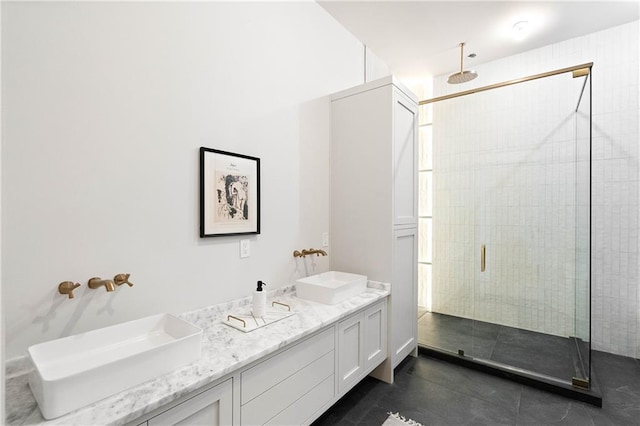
(374, 204)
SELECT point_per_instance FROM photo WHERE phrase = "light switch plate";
(245, 248)
(325, 239)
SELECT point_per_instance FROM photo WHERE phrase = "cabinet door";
(404, 304)
(350, 352)
(405, 155)
(375, 335)
(211, 407)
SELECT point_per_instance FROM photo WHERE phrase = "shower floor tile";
(542, 353)
(454, 333)
(537, 352)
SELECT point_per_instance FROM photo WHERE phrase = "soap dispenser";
(260, 301)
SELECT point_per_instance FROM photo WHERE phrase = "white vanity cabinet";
(374, 200)
(297, 385)
(362, 340)
(212, 407)
(292, 386)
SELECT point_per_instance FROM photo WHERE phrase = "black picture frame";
(229, 193)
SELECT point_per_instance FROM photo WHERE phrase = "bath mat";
(395, 419)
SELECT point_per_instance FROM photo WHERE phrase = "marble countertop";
(224, 350)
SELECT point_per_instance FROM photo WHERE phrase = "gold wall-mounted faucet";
(67, 288)
(306, 252)
(97, 282)
(122, 279)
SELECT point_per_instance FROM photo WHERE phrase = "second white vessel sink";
(331, 287)
(78, 370)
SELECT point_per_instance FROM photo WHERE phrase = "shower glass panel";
(583, 231)
(512, 202)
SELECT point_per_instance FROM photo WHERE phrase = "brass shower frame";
(578, 71)
(581, 70)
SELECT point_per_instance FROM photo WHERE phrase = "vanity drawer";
(289, 392)
(309, 404)
(269, 373)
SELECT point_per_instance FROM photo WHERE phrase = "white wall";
(375, 67)
(104, 108)
(615, 285)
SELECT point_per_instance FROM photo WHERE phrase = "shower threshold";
(540, 381)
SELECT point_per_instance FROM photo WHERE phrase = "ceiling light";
(520, 30)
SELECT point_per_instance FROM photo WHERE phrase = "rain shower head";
(462, 76)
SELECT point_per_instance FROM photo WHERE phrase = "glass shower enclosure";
(510, 262)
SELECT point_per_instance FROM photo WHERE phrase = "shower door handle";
(483, 257)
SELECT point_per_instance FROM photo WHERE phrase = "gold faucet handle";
(67, 287)
(122, 279)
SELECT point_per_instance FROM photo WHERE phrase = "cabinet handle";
(483, 257)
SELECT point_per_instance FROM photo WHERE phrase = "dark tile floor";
(537, 352)
(435, 392)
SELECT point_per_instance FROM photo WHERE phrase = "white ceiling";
(421, 38)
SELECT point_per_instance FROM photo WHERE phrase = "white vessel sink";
(75, 371)
(331, 287)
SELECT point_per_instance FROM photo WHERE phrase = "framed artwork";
(229, 193)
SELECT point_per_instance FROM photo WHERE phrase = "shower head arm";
(462, 76)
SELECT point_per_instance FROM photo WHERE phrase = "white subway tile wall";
(511, 171)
